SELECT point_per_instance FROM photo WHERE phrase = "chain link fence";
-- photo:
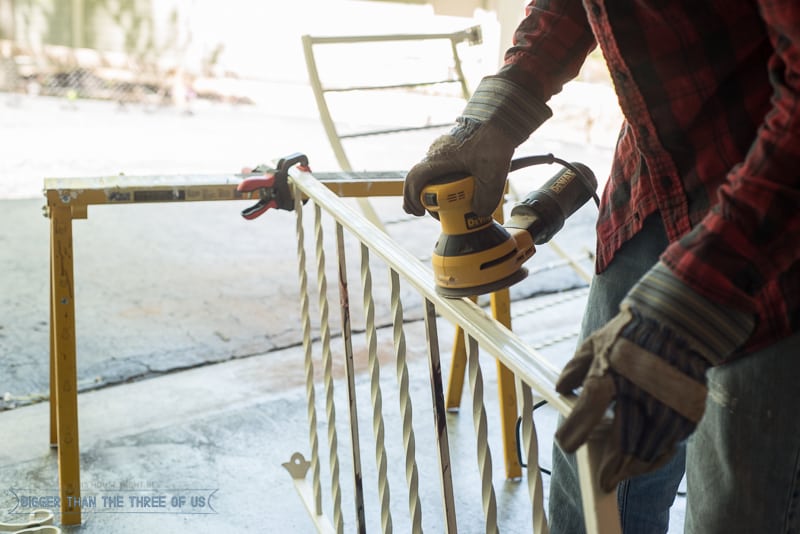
(60, 71)
(130, 52)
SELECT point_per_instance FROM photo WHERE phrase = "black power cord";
(542, 469)
(549, 159)
(528, 161)
(519, 439)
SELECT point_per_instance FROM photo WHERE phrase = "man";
(692, 326)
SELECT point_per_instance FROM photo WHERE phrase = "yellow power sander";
(475, 254)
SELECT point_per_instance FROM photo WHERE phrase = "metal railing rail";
(534, 375)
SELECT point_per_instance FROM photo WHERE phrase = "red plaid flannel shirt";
(710, 90)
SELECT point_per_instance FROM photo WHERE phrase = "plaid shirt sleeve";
(752, 235)
(550, 45)
(711, 95)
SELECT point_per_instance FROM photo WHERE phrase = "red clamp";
(272, 185)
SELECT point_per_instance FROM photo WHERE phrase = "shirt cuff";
(508, 106)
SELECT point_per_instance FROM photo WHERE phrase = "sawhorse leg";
(506, 388)
(63, 366)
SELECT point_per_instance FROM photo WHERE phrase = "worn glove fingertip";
(420, 175)
(413, 209)
(609, 480)
(575, 371)
(586, 414)
(566, 439)
(625, 467)
(569, 380)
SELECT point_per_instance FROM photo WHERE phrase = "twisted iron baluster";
(327, 363)
(531, 440)
(481, 434)
(309, 364)
(375, 388)
(412, 474)
(440, 419)
(344, 302)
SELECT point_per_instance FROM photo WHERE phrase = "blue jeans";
(742, 462)
(645, 500)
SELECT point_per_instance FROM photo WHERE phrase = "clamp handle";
(272, 186)
(297, 158)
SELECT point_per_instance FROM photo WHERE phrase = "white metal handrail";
(533, 372)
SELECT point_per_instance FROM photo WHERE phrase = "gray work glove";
(499, 116)
(650, 361)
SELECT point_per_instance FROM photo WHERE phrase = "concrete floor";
(221, 432)
(192, 376)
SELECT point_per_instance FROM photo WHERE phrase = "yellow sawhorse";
(69, 198)
(500, 302)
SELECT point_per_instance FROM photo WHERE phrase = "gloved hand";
(650, 362)
(499, 116)
(472, 147)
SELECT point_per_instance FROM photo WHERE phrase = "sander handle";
(543, 211)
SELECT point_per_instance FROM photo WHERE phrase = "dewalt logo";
(473, 221)
(562, 182)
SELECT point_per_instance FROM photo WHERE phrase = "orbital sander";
(475, 254)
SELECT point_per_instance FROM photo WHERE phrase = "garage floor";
(220, 433)
(180, 401)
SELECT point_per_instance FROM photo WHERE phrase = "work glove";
(649, 363)
(499, 116)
